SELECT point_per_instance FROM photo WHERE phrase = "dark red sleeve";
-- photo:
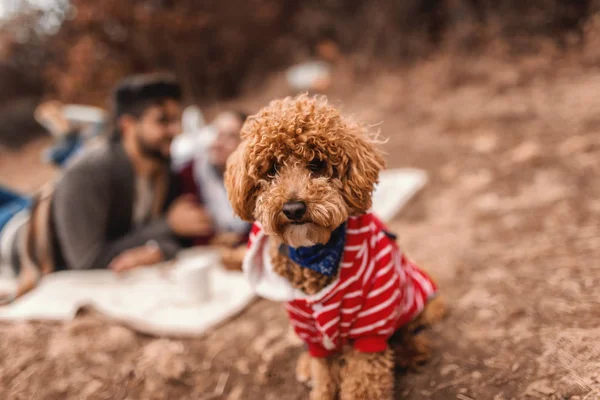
(246, 238)
(187, 185)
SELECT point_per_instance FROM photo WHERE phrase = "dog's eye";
(317, 167)
(273, 170)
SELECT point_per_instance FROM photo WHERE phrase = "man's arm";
(158, 231)
(81, 205)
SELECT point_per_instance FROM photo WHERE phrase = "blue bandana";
(322, 258)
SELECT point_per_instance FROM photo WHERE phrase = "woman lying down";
(202, 178)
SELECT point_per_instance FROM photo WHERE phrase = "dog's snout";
(294, 210)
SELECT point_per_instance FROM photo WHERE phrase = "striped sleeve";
(383, 291)
(304, 326)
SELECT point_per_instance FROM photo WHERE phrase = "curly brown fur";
(367, 376)
(410, 343)
(434, 312)
(302, 149)
(350, 375)
(323, 379)
(303, 372)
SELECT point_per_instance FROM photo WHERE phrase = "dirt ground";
(508, 225)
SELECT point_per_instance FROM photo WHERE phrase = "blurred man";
(203, 178)
(116, 205)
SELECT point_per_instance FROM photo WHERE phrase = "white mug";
(194, 276)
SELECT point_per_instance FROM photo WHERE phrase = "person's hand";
(226, 239)
(7, 297)
(233, 258)
(188, 219)
(136, 257)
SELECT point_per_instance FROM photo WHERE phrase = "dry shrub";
(212, 46)
(219, 47)
(22, 59)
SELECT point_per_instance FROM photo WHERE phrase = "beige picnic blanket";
(151, 300)
(155, 300)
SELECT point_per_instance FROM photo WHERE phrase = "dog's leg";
(411, 350)
(367, 376)
(324, 386)
(303, 369)
(410, 343)
(434, 311)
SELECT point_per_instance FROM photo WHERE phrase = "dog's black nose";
(294, 210)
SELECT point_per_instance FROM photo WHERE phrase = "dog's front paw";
(321, 394)
(324, 386)
(303, 369)
(367, 376)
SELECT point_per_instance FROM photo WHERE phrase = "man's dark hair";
(135, 94)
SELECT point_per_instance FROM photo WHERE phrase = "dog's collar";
(322, 258)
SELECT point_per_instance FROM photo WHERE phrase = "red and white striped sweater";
(377, 291)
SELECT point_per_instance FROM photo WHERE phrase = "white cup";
(194, 276)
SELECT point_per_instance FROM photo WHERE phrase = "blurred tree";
(22, 59)
(211, 46)
(79, 48)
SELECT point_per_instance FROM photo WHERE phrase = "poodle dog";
(305, 175)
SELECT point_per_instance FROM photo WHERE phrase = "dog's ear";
(241, 188)
(361, 173)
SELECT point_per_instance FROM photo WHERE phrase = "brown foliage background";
(217, 48)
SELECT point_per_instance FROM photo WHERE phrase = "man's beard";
(151, 152)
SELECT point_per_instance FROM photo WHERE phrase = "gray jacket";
(91, 212)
